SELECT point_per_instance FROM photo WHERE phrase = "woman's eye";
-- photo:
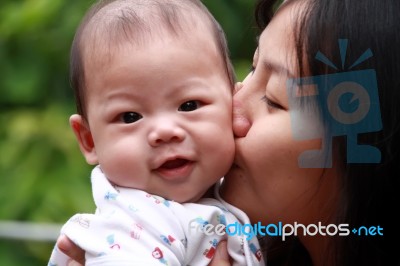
(130, 117)
(189, 106)
(272, 104)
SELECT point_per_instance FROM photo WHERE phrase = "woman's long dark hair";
(369, 192)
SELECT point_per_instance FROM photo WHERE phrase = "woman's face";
(266, 181)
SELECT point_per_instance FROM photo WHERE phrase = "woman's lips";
(176, 169)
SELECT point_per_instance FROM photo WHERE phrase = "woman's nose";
(165, 132)
(241, 122)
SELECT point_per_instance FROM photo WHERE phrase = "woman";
(267, 172)
(275, 177)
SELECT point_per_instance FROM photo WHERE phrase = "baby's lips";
(176, 163)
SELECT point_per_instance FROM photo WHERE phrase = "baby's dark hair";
(108, 23)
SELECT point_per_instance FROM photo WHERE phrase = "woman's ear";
(84, 137)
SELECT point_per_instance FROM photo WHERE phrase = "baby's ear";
(84, 137)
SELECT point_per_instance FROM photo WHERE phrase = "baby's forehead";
(139, 24)
(136, 25)
(141, 21)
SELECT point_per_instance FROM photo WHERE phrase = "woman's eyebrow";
(277, 68)
(273, 66)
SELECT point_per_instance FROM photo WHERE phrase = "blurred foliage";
(43, 174)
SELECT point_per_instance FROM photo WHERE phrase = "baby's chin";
(183, 197)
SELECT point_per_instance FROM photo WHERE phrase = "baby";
(153, 85)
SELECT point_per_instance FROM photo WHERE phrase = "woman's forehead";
(276, 44)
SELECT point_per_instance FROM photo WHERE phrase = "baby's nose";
(166, 132)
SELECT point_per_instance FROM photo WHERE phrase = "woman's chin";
(233, 173)
(233, 187)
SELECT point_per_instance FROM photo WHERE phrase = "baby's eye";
(189, 106)
(130, 117)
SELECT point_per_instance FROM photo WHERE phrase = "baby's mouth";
(176, 163)
(176, 169)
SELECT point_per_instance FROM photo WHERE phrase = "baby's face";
(160, 116)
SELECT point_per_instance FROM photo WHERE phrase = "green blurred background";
(44, 178)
